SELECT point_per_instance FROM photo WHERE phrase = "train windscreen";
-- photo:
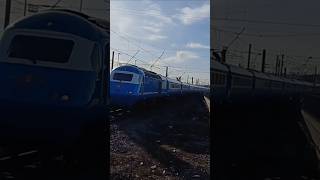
(122, 77)
(37, 48)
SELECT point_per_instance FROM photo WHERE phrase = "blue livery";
(130, 85)
(232, 84)
(53, 62)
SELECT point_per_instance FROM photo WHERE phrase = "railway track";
(116, 114)
(26, 164)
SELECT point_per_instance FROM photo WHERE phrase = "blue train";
(130, 85)
(232, 84)
(54, 63)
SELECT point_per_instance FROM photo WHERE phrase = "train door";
(229, 84)
(142, 85)
(97, 66)
(159, 86)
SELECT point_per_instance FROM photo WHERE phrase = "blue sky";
(178, 28)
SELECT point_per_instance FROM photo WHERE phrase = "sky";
(157, 33)
(289, 27)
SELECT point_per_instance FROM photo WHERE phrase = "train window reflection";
(122, 77)
(40, 48)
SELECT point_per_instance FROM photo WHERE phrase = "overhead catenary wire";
(266, 22)
(269, 35)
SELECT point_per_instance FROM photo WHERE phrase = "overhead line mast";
(157, 59)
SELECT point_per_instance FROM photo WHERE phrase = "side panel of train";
(219, 82)
(151, 86)
(241, 84)
(175, 88)
(234, 84)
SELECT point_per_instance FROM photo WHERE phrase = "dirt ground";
(163, 140)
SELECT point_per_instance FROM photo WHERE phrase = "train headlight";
(130, 92)
(64, 98)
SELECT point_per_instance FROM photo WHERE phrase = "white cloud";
(188, 15)
(186, 55)
(197, 46)
(152, 29)
(154, 37)
(181, 56)
(154, 10)
(147, 25)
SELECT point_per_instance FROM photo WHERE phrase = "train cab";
(126, 85)
(53, 58)
(53, 62)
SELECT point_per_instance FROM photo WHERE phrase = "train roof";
(129, 68)
(218, 66)
(67, 21)
(259, 74)
(138, 70)
(173, 80)
(239, 70)
(275, 78)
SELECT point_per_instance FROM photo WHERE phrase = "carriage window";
(175, 86)
(241, 81)
(219, 78)
(122, 77)
(40, 48)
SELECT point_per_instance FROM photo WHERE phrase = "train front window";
(122, 77)
(41, 48)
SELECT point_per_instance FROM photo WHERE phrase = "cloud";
(186, 55)
(188, 15)
(181, 56)
(147, 25)
(154, 10)
(154, 37)
(152, 29)
(197, 46)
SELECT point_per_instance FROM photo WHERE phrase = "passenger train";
(131, 84)
(53, 63)
(233, 84)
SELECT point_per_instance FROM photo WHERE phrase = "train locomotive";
(53, 64)
(131, 84)
(233, 84)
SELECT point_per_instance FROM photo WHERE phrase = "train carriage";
(164, 86)
(276, 85)
(219, 81)
(241, 83)
(261, 85)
